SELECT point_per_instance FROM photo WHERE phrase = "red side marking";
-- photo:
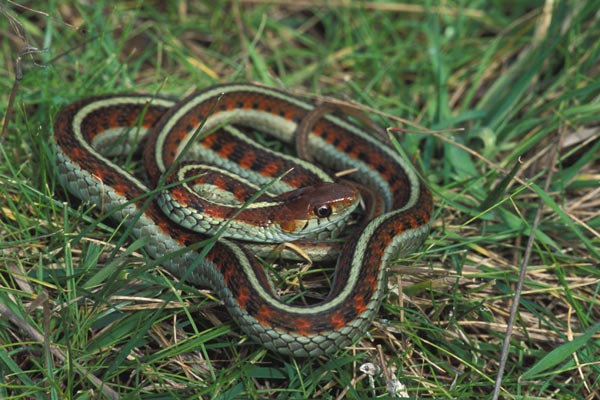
(99, 175)
(303, 326)
(241, 193)
(269, 169)
(211, 256)
(337, 320)
(150, 120)
(242, 297)
(227, 149)
(227, 274)
(247, 160)
(164, 226)
(113, 119)
(227, 102)
(122, 189)
(317, 129)
(192, 120)
(371, 281)
(209, 140)
(220, 182)
(264, 315)
(300, 181)
(179, 196)
(359, 304)
(412, 222)
(324, 134)
(185, 239)
(78, 153)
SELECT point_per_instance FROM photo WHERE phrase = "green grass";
(83, 310)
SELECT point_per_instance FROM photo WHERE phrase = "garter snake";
(87, 131)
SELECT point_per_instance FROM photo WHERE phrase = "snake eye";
(323, 211)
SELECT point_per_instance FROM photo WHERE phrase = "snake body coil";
(88, 131)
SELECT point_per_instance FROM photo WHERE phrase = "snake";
(206, 199)
(90, 131)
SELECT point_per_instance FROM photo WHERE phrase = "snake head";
(313, 209)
